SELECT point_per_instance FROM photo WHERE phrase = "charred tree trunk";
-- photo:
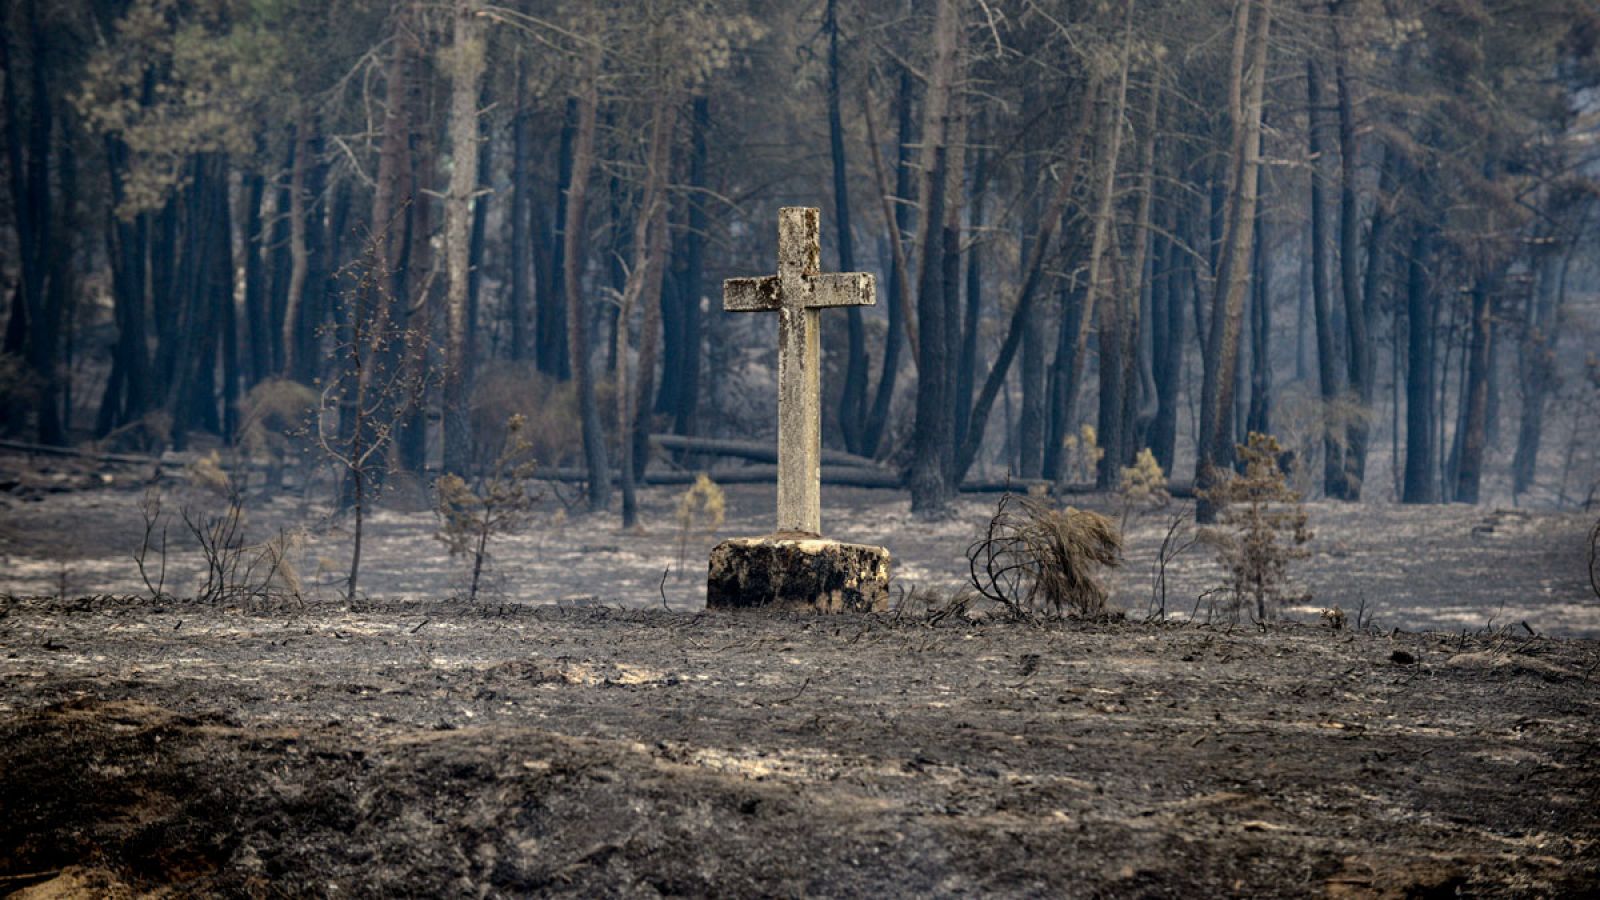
(554, 332)
(1422, 314)
(1260, 417)
(255, 288)
(1357, 308)
(1168, 342)
(28, 156)
(594, 440)
(1215, 447)
(694, 270)
(466, 78)
(853, 399)
(882, 401)
(1333, 468)
(1538, 359)
(522, 203)
(930, 483)
(1475, 403)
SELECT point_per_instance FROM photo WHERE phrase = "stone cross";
(796, 293)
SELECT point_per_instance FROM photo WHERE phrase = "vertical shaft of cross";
(799, 381)
(796, 294)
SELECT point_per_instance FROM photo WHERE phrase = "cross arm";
(751, 294)
(841, 289)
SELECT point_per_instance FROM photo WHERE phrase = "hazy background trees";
(1365, 227)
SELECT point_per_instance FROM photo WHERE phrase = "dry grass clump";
(549, 411)
(700, 508)
(1036, 559)
(274, 423)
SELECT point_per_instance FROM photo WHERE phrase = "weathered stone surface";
(796, 294)
(800, 572)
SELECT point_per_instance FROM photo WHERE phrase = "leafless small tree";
(362, 407)
(150, 510)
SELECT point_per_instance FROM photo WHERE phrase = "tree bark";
(1422, 314)
(1333, 468)
(897, 220)
(1475, 404)
(930, 481)
(643, 289)
(853, 398)
(467, 65)
(688, 405)
(594, 441)
(1360, 356)
(1216, 439)
(522, 204)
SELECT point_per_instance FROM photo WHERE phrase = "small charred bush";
(1034, 559)
(500, 503)
(1261, 529)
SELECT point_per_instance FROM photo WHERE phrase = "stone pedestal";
(800, 573)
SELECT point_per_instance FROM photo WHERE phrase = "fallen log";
(751, 450)
(845, 476)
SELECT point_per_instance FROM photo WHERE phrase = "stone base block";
(800, 573)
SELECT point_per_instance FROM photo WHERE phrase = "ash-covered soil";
(70, 527)
(447, 749)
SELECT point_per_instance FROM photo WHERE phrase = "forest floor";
(410, 744)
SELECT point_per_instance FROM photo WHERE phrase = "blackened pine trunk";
(1031, 422)
(594, 440)
(1168, 345)
(1260, 417)
(521, 262)
(467, 58)
(127, 394)
(967, 367)
(883, 398)
(932, 440)
(1475, 404)
(314, 292)
(1359, 359)
(1097, 292)
(255, 288)
(166, 306)
(1422, 313)
(63, 289)
(690, 287)
(1137, 376)
(1333, 468)
(280, 262)
(30, 186)
(930, 488)
(416, 305)
(950, 286)
(1111, 318)
(228, 318)
(1215, 448)
(299, 217)
(1538, 359)
(853, 399)
(554, 347)
(1059, 378)
(480, 233)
